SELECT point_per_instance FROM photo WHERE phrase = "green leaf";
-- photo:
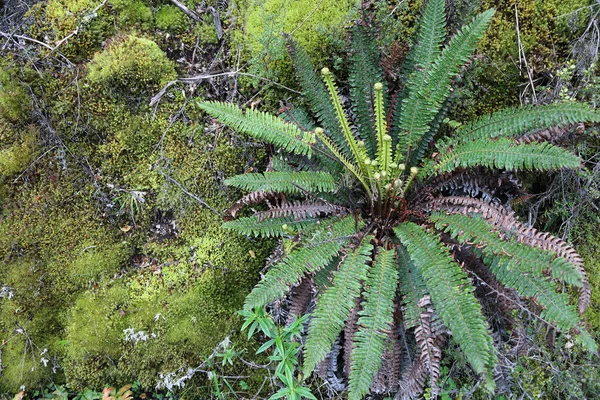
(284, 182)
(333, 307)
(412, 288)
(452, 295)
(260, 125)
(376, 319)
(319, 251)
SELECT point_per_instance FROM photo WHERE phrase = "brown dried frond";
(301, 209)
(256, 198)
(349, 330)
(430, 338)
(386, 379)
(300, 298)
(553, 134)
(491, 188)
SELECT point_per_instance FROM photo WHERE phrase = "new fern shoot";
(391, 228)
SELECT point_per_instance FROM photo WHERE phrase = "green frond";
(333, 307)
(412, 288)
(271, 227)
(317, 253)
(384, 141)
(359, 154)
(438, 85)
(422, 57)
(513, 122)
(347, 163)
(586, 340)
(376, 319)
(284, 182)
(503, 154)
(315, 92)
(475, 230)
(521, 278)
(452, 295)
(364, 73)
(260, 125)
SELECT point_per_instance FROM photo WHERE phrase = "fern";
(364, 73)
(514, 122)
(334, 305)
(371, 215)
(503, 153)
(316, 93)
(374, 323)
(285, 182)
(452, 296)
(325, 244)
(272, 227)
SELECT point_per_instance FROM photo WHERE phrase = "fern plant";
(395, 232)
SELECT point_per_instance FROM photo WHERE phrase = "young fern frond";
(358, 153)
(374, 323)
(452, 295)
(334, 305)
(325, 244)
(272, 227)
(260, 125)
(384, 141)
(427, 49)
(284, 182)
(412, 288)
(347, 163)
(503, 154)
(364, 73)
(513, 122)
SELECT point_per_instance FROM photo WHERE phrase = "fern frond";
(507, 223)
(474, 230)
(256, 198)
(517, 266)
(437, 88)
(513, 122)
(272, 227)
(374, 323)
(334, 305)
(384, 141)
(284, 182)
(315, 92)
(359, 154)
(260, 125)
(302, 209)
(429, 339)
(347, 163)
(319, 252)
(364, 73)
(553, 134)
(452, 294)
(412, 288)
(422, 57)
(503, 154)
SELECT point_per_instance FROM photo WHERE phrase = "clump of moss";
(131, 65)
(20, 152)
(15, 104)
(171, 19)
(321, 34)
(133, 13)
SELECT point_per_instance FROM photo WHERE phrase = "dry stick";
(193, 196)
(186, 10)
(524, 59)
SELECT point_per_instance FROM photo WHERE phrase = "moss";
(133, 13)
(131, 65)
(321, 34)
(15, 104)
(21, 150)
(171, 19)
